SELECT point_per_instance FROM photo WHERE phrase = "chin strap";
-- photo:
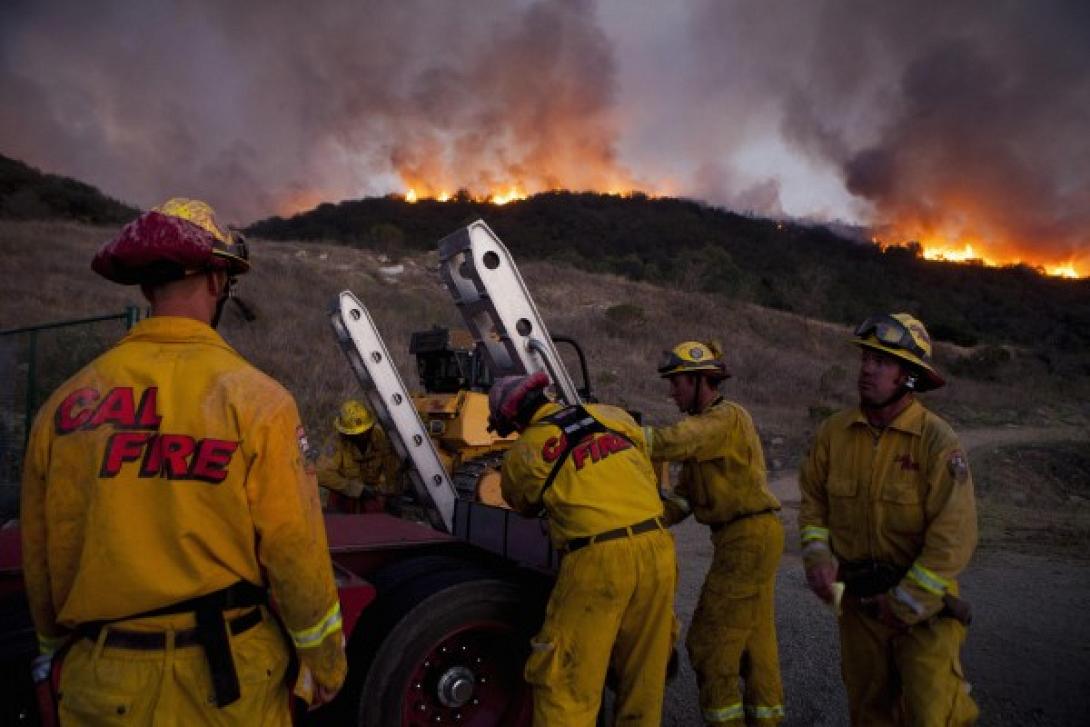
(229, 294)
(908, 387)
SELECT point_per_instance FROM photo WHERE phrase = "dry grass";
(787, 369)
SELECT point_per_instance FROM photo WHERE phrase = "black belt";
(157, 640)
(719, 526)
(210, 632)
(646, 526)
(866, 578)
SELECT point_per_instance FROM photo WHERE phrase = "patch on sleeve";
(308, 454)
(958, 466)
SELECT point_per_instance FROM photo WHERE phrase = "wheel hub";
(455, 686)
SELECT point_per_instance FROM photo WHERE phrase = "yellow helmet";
(354, 418)
(904, 337)
(694, 357)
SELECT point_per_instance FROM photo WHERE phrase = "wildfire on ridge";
(499, 196)
(966, 249)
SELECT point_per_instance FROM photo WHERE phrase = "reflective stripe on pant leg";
(724, 714)
(765, 712)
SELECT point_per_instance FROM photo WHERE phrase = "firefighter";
(587, 468)
(360, 461)
(888, 511)
(166, 497)
(723, 479)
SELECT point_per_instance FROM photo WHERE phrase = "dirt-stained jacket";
(902, 496)
(722, 464)
(344, 467)
(168, 468)
(605, 483)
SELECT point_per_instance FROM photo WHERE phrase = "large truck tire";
(454, 657)
(18, 647)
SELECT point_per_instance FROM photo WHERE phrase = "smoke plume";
(275, 106)
(960, 122)
(949, 122)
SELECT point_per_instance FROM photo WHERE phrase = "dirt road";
(1028, 652)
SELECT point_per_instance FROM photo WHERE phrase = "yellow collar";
(175, 329)
(910, 420)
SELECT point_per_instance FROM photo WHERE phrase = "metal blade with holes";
(496, 305)
(389, 401)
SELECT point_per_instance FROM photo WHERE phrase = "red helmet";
(168, 242)
(506, 397)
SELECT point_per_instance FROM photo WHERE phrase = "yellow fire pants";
(904, 678)
(611, 599)
(116, 686)
(733, 633)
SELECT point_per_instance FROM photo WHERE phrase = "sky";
(954, 123)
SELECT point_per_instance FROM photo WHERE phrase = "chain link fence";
(34, 361)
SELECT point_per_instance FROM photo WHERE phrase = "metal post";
(31, 386)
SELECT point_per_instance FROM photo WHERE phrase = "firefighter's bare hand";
(820, 577)
(322, 695)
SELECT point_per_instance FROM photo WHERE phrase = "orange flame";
(499, 195)
(993, 251)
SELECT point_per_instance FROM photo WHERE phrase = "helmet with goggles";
(694, 357)
(178, 238)
(904, 337)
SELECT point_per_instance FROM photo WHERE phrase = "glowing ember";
(410, 196)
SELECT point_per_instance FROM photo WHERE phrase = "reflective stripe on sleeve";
(314, 635)
(649, 437)
(812, 533)
(928, 580)
(49, 644)
(724, 714)
(762, 712)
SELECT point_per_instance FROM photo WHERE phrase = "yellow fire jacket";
(723, 466)
(346, 469)
(903, 496)
(169, 468)
(605, 483)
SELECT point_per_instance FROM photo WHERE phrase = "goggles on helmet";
(671, 360)
(236, 248)
(892, 332)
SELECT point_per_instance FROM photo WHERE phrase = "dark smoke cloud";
(960, 117)
(963, 117)
(264, 106)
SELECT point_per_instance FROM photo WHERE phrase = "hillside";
(804, 269)
(29, 194)
(790, 370)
